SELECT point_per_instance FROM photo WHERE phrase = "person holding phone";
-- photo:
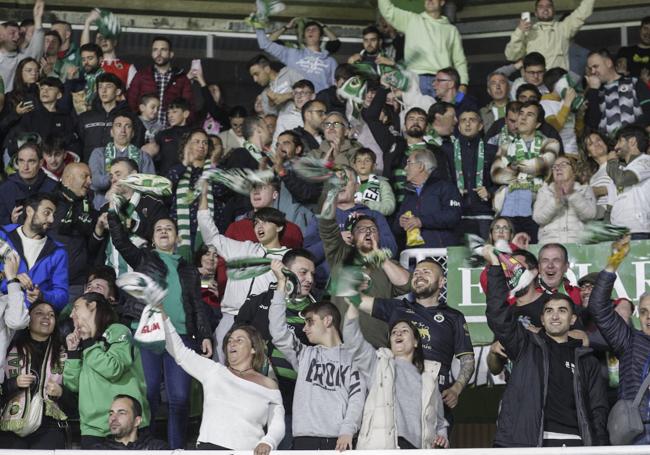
(24, 97)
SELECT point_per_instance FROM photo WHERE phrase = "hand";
(276, 267)
(16, 213)
(262, 449)
(25, 380)
(93, 15)
(580, 335)
(206, 348)
(440, 443)
(412, 223)
(39, 8)
(620, 249)
(33, 294)
(213, 287)
(292, 23)
(593, 82)
(522, 240)
(450, 395)
(24, 107)
(46, 66)
(462, 88)
(621, 66)
(519, 64)
(497, 349)
(25, 281)
(383, 60)
(347, 237)
(569, 95)
(52, 389)
(72, 72)
(482, 192)
(524, 26)
(344, 442)
(612, 156)
(533, 328)
(567, 186)
(102, 224)
(12, 261)
(354, 58)
(72, 340)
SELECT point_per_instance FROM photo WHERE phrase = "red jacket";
(179, 87)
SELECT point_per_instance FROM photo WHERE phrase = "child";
(169, 139)
(56, 157)
(374, 190)
(149, 105)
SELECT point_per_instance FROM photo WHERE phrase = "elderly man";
(497, 88)
(337, 146)
(432, 209)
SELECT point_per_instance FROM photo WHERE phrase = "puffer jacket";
(559, 222)
(148, 262)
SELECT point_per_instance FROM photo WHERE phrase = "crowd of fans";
(104, 173)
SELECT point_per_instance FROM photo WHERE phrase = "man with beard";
(415, 124)
(86, 85)
(311, 131)
(443, 329)
(162, 78)
(43, 268)
(372, 52)
(547, 36)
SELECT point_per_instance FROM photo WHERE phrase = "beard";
(415, 131)
(427, 292)
(38, 228)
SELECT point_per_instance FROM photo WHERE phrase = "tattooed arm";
(450, 395)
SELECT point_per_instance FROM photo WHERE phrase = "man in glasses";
(336, 146)
(291, 116)
(532, 72)
(447, 85)
(311, 131)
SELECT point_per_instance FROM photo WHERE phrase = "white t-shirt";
(31, 247)
(601, 178)
(632, 207)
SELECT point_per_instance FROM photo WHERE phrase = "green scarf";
(522, 152)
(369, 191)
(183, 212)
(110, 153)
(126, 210)
(91, 85)
(505, 138)
(67, 221)
(254, 151)
(458, 164)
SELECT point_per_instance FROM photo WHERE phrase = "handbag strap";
(641, 392)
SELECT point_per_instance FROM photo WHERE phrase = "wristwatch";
(13, 280)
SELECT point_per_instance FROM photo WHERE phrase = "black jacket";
(169, 141)
(521, 419)
(144, 442)
(150, 263)
(15, 190)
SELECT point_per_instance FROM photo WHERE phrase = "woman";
(233, 137)
(102, 362)
(404, 408)
(502, 228)
(195, 159)
(239, 402)
(563, 205)
(595, 146)
(206, 261)
(24, 97)
(34, 366)
(187, 312)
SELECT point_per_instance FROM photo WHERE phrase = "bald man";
(74, 222)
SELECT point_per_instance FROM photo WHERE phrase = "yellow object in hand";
(413, 237)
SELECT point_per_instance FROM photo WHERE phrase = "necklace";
(239, 372)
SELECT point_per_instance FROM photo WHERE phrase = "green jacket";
(101, 369)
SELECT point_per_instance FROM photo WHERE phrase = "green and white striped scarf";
(458, 164)
(184, 192)
(125, 211)
(110, 153)
(91, 86)
(254, 151)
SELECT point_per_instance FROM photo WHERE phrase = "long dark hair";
(104, 313)
(418, 352)
(19, 83)
(25, 344)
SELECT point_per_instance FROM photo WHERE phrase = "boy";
(56, 157)
(374, 191)
(149, 105)
(168, 140)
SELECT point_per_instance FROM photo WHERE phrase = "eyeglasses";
(558, 166)
(501, 228)
(366, 229)
(335, 125)
(299, 93)
(442, 80)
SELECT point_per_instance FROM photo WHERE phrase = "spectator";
(28, 181)
(447, 88)
(235, 414)
(472, 160)
(559, 110)
(596, 147)
(420, 31)
(168, 140)
(613, 101)
(528, 92)
(168, 82)
(148, 108)
(415, 390)
(102, 362)
(124, 418)
(337, 146)
(51, 46)
(84, 88)
(291, 116)
(631, 207)
(35, 361)
(253, 151)
(575, 410)
(504, 131)
(277, 84)
(312, 63)
(26, 33)
(122, 131)
(433, 207)
(374, 190)
(634, 60)
(330, 95)
(553, 266)
(206, 260)
(311, 130)
(549, 37)
(233, 137)
(497, 88)
(372, 52)
(186, 311)
(533, 69)
(14, 315)
(563, 206)
(69, 51)
(326, 414)
(392, 41)
(10, 53)
(24, 96)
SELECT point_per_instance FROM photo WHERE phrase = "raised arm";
(398, 18)
(200, 368)
(364, 355)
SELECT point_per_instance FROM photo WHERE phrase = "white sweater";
(13, 316)
(235, 410)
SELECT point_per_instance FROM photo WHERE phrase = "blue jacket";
(49, 272)
(15, 189)
(438, 206)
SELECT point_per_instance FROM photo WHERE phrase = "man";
(124, 419)
(504, 130)
(443, 329)
(336, 147)
(330, 95)
(28, 181)
(255, 312)
(613, 101)
(56, 157)
(74, 224)
(291, 116)
(533, 69)
(311, 130)
(631, 346)
(68, 52)
(547, 36)
(447, 87)
(432, 42)
(634, 60)
(372, 52)
(326, 412)
(472, 160)
(258, 138)
(85, 86)
(520, 167)
(51, 46)
(110, 63)
(556, 395)
(10, 54)
(121, 146)
(497, 88)
(43, 269)
(277, 84)
(94, 126)
(432, 207)
(553, 266)
(631, 207)
(162, 78)
(392, 41)
(309, 61)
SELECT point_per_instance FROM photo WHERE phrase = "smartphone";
(28, 103)
(196, 65)
(525, 16)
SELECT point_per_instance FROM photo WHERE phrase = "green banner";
(465, 294)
